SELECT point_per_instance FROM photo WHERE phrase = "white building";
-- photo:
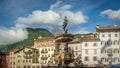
(75, 45)
(109, 37)
(90, 50)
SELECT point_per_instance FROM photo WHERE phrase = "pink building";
(11, 63)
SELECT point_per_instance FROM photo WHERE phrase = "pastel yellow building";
(26, 57)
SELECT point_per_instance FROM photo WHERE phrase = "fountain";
(63, 56)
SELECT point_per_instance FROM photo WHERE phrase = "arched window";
(28, 66)
(24, 66)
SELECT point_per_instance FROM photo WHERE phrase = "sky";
(82, 16)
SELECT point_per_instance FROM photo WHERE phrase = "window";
(115, 35)
(86, 51)
(109, 51)
(29, 61)
(109, 35)
(76, 48)
(76, 53)
(95, 44)
(48, 49)
(10, 63)
(45, 49)
(102, 59)
(103, 35)
(116, 50)
(28, 66)
(95, 58)
(103, 51)
(86, 44)
(24, 67)
(86, 58)
(18, 66)
(26, 61)
(23, 61)
(48, 55)
(18, 61)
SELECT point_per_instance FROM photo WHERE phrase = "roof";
(44, 38)
(2, 54)
(23, 48)
(113, 28)
(89, 39)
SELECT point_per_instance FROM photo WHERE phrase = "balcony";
(44, 58)
(44, 51)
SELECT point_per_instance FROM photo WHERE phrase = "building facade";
(75, 45)
(3, 60)
(26, 57)
(90, 50)
(109, 38)
(11, 57)
(46, 47)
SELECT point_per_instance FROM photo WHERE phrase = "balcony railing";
(44, 51)
(44, 58)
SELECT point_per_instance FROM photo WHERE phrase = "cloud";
(112, 14)
(40, 17)
(75, 18)
(53, 17)
(81, 31)
(60, 7)
(10, 36)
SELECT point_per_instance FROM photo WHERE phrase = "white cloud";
(40, 17)
(10, 36)
(75, 18)
(81, 31)
(66, 7)
(59, 7)
(112, 14)
(53, 17)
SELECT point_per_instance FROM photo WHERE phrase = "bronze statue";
(65, 24)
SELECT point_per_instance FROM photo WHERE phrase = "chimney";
(97, 26)
(115, 25)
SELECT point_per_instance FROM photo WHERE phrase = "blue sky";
(83, 15)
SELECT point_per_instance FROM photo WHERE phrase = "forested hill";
(32, 34)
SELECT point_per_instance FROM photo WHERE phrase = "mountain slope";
(32, 34)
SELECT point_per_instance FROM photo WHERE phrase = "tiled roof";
(108, 29)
